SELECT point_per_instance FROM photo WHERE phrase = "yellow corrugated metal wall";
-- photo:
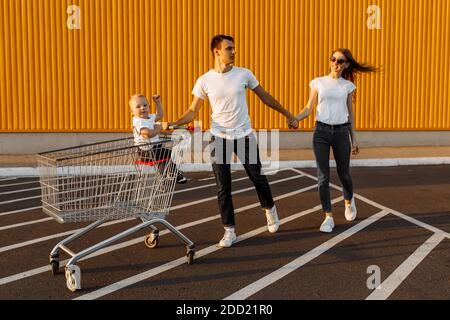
(56, 79)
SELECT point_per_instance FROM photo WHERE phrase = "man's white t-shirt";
(138, 124)
(227, 95)
(333, 93)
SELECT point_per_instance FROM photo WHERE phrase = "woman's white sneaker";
(228, 238)
(327, 225)
(273, 223)
(350, 210)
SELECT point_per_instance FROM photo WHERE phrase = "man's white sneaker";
(327, 225)
(228, 238)
(350, 210)
(273, 223)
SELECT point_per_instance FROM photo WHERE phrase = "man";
(225, 86)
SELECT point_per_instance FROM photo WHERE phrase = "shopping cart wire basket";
(111, 180)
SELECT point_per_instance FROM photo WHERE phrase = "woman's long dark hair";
(354, 67)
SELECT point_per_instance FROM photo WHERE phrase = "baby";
(146, 131)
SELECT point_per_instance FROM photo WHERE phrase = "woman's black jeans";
(248, 153)
(338, 138)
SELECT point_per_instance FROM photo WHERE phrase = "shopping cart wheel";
(151, 240)
(190, 256)
(55, 266)
(54, 263)
(73, 278)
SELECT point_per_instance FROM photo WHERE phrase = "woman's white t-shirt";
(333, 93)
(226, 93)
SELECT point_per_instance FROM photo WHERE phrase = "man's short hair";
(217, 40)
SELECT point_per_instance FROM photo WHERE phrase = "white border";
(201, 167)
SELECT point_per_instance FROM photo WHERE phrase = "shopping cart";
(111, 180)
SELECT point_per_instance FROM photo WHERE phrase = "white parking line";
(35, 271)
(20, 191)
(34, 241)
(382, 207)
(20, 210)
(271, 278)
(395, 279)
(50, 237)
(18, 184)
(234, 192)
(175, 263)
(43, 220)
(27, 274)
(407, 218)
(17, 200)
(176, 192)
(207, 186)
(206, 179)
(17, 225)
(404, 270)
(7, 179)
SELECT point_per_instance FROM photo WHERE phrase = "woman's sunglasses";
(338, 61)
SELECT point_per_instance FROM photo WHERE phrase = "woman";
(335, 128)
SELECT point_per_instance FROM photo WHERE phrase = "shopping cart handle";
(151, 163)
(188, 128)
